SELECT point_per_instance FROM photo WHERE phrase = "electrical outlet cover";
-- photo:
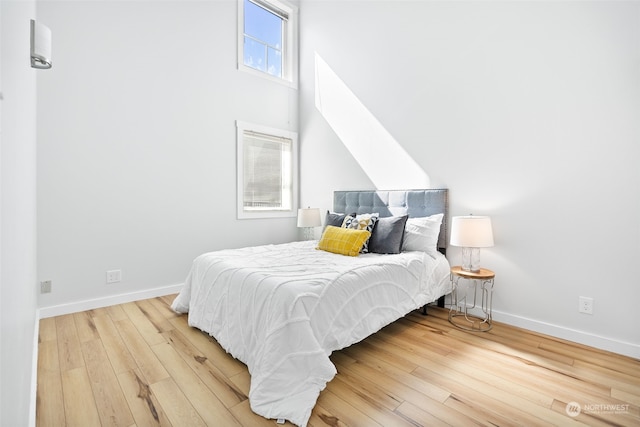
(585, 305)
(114, 276)
(45, 286)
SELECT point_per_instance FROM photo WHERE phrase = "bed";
(283, 309)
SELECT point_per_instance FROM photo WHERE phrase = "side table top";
(484, 273)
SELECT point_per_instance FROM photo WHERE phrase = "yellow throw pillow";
(343, 241)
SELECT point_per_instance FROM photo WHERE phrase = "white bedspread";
(282, 310)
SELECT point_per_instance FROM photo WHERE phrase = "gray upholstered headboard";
(415, 203)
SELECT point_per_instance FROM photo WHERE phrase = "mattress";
(283, 309)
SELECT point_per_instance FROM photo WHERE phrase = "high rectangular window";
(263, 38)
(267, 39)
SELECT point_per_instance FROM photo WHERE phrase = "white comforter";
(282, 310)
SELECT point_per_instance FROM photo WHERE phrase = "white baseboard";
(74, 307)
(581, 337)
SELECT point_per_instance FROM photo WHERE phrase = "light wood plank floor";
(141, 364)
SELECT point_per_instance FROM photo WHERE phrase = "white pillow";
(421, 234)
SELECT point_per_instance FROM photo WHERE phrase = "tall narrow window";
(263, 38)
(267, 170)
(267, 39)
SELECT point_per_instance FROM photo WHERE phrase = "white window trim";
(290, 69)
(293, 136)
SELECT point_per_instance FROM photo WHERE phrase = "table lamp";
(471, 233)
(308, 219)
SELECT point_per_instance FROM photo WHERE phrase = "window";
(267, 39)
(267, 172)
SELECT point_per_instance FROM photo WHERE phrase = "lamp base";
(471, 259)
(308, 233)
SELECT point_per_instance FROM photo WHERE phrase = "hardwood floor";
(141, 364)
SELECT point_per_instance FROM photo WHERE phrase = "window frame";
(242, 213)
(289, 43)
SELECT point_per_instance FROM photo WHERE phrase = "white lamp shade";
(471, 231)
(309, 217)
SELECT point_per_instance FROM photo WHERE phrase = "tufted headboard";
(415, 203)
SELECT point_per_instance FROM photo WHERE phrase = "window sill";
(293, 84)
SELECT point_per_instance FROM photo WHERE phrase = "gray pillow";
(387, 235)
(335, 219)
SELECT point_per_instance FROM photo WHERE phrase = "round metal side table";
(462, 302)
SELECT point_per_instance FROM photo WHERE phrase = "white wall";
(136, 143)
(528, 112)
(18, 298)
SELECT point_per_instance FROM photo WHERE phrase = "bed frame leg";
(440, 304)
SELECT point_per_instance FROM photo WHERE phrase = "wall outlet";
(45, 286)
(114, 276)
(585, 305)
